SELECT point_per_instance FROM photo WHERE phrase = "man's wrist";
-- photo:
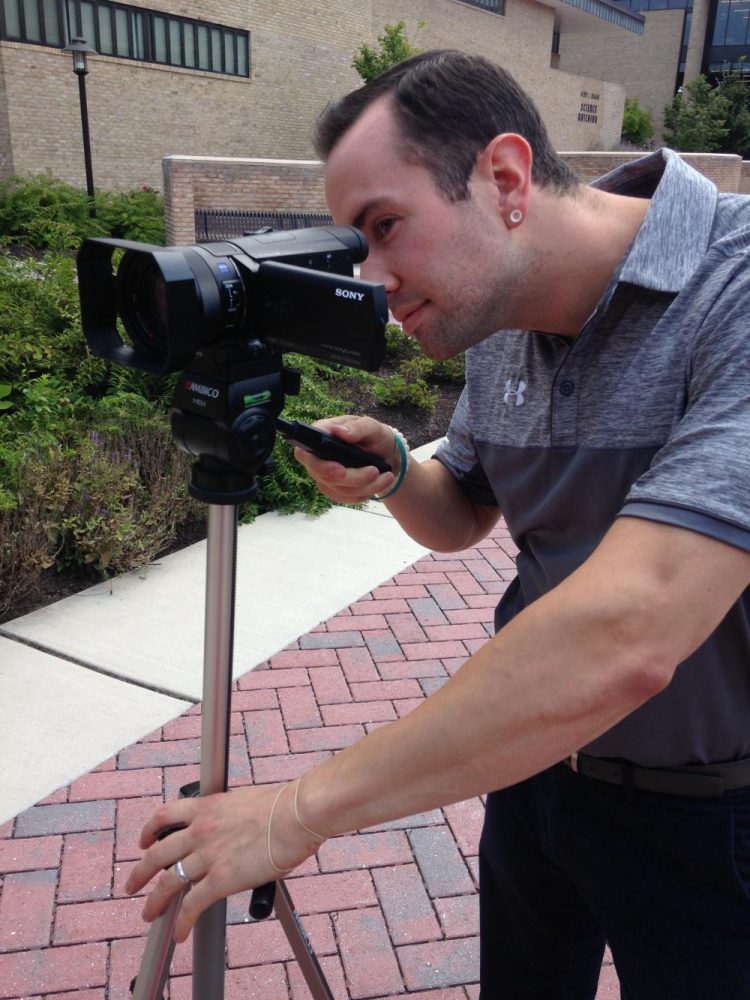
(401, 463)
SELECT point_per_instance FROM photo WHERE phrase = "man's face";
(449, 268)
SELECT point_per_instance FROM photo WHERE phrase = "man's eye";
(383, 227)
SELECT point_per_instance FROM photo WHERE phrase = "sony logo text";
(344, 293)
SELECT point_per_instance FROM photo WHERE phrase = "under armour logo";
(518, 393)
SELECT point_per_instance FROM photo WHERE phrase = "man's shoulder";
(731, 227)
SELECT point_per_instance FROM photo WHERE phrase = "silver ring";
(180, 873)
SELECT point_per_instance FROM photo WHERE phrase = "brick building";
(682, 39)
(246, 78)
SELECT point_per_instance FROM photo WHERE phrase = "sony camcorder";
(293, 290)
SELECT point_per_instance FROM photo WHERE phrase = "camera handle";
(222, 485)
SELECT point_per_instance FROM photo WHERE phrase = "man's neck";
(578, 243)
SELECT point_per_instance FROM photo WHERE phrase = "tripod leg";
(209, 933)
(300, 943)
(157, 956)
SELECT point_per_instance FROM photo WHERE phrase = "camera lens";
(144, 302)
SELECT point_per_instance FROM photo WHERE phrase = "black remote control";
(326, 446)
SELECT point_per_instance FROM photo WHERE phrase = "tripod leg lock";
(261, 901)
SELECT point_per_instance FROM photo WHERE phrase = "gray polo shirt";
(646, 413)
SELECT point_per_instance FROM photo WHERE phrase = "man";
(608, 422)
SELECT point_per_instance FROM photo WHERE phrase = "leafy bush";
(90, 479)
(399, 391)
(136, 215)
(43, 212)
(637, 124)
(31, 208)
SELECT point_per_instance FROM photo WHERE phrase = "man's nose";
(372, 269)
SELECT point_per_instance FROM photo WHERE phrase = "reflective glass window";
(122, 33)
(243, 60)
(32, 22)
(720, 27)
(160, 39)
(189, 36)
(175, 43)
(12, 18)
(129, 32)
(737, 23)
(52, 32)
(88, 23)
(229, 62)
(106, 35)
(203, 50)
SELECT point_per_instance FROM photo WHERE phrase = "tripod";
(247, 439)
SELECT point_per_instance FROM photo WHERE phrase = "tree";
(393, 47)
(637, 125)
(696, 120)
(734, 87)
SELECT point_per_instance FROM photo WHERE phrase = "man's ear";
(504, 168)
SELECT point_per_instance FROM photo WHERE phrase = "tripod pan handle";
(261, 901)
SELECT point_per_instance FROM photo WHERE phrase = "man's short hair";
(448, 106)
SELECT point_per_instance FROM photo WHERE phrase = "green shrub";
(398, 391)
(135, 215)
(637, 124)
(32, 207)
(43, 212)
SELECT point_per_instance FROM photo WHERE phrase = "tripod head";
(223, 412)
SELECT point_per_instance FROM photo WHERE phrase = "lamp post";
(80, 50)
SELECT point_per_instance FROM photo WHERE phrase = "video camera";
(291, 289)
(226, 311)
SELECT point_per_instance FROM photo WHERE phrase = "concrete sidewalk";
(105, 725)
(108, 665)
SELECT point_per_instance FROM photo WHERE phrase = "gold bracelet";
(307, 829)
(272, 863)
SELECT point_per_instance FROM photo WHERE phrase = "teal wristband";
(401, 472)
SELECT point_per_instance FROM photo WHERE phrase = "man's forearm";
(550, 682)
(566, 669)
(431, 508)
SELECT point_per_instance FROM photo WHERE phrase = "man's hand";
(351, 486)
(223, 846)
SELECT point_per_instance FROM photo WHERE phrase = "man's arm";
(429, 505)
(565, 670)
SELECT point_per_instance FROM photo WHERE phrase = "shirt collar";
(676, 230)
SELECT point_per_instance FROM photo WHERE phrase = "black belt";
(701, 781)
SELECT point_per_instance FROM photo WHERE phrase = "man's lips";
(409, 318)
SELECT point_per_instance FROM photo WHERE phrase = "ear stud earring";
(516, 216)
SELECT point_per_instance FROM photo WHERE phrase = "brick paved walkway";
(391, 911)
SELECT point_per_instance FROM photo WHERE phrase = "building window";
(117, 29)
(731, 22)
(494, 6)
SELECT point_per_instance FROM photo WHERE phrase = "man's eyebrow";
(368, 207)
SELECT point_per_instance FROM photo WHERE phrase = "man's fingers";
(341, 484)
(171, 815)
(202, 895)
(161, 855)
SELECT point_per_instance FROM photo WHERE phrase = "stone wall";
(724, 169)
(192, 183)
(300, 59)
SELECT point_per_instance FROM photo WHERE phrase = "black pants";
(569, 863)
